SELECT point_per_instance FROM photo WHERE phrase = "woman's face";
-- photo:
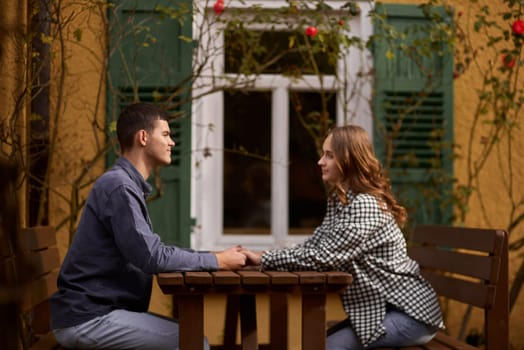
(330, 172)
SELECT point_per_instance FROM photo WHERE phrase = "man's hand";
(231, 259)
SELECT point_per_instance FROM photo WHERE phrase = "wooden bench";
(468, 265)
(30, 270)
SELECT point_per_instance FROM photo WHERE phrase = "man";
(105, 282)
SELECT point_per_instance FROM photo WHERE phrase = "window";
(255, 177)
(269, 45)
(306, 205)
(247, 162)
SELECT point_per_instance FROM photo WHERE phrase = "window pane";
(247, 169)
(308, 126)
(269, 52)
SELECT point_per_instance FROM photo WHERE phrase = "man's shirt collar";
(133, 173)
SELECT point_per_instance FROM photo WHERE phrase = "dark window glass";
(247, 169)
(272, 52)
(308, 127)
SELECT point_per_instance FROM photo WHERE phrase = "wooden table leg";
(231, 322)
(313, 321)
(278, 322)
(248, 322)
(191, 321)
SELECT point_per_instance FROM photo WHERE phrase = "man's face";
(159, 145)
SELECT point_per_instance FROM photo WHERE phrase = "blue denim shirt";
(115, 252)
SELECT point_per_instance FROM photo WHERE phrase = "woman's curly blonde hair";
(361, 170)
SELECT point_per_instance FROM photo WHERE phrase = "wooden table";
(242, 287)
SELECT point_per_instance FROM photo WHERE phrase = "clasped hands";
(235, 258)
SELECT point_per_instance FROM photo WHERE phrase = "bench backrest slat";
(484, 267)
(37, 237)
(483, 240)
(469, 265)
(39, 262)
(39, 290)
(469, 292)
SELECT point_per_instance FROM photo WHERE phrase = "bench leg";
(191, 322)
(313, 321)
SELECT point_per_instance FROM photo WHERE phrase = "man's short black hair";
(136, 117)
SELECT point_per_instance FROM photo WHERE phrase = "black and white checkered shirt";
(365, 241)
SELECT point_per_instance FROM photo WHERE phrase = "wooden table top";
(246, 281)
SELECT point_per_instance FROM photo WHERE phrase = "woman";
(388, 303)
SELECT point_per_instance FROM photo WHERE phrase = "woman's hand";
(253, 258)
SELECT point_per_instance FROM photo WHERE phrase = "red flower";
(341, 22)
(518, 27)
(311, 31)
(218, 7)
(508, 61)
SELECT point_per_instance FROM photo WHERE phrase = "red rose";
(218, 7)
(508, 61)
(311, 31)
(518, 27)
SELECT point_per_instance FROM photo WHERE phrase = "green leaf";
(46, 39)
(112, 126)
(185, 38)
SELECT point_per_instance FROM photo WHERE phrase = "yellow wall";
(79, 104)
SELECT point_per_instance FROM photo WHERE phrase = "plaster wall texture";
(83, 108)
(77, 108)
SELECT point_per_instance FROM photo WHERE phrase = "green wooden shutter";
(150, 61)
(413, 109)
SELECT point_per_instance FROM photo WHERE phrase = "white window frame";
(207, 180)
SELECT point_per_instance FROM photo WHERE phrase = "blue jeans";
(121, 329)
(401, 330)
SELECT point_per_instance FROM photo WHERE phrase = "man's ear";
(141, 137)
